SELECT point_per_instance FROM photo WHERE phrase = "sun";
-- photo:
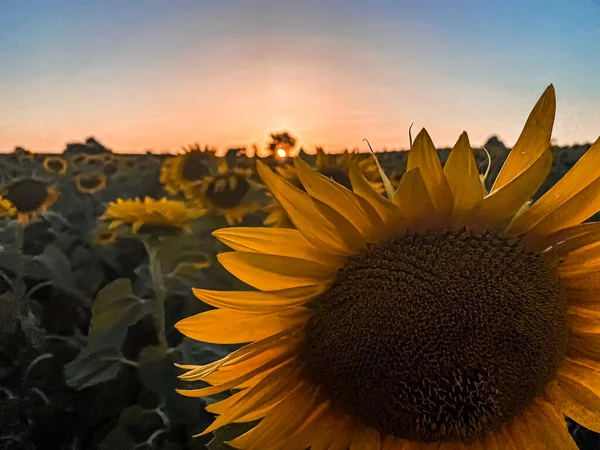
(439, 317)
(281, 153)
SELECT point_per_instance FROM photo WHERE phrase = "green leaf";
(52, 265)
(151, 367)
(92, 367)
(117, 439)
(115, 309)
(174, 250)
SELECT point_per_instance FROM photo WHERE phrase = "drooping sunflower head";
(90, 183)
(151, 214)
(225, 192)
(55, 164)
(30, 197)
(440, 317)
(189, 167)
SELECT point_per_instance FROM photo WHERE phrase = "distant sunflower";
(90, 183)
(224, 193)
(110, 168)
(95, 160)
(79, 160)
(443, 318)
(55, 164)
(335, 167)
(7, 209)
(151, 213)
(30, 197)
(179, 171)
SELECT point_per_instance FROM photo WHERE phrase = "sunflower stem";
(158, 313)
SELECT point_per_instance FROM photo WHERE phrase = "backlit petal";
(534, 140)
(423, 155)
(272, 273)
(585, 172)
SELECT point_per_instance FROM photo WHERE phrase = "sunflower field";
(103, 254)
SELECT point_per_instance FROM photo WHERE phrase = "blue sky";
(161, 74)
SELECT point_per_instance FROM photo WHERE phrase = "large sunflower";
(336, 167)
(443, 318)
(30, 197)
(151, 213)
(224, 193)
(192, 166)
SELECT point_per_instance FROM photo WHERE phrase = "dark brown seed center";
(221, 194)
(194, 167)
(438, 336)
(27, 195)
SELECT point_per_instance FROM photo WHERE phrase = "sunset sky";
(147, 74)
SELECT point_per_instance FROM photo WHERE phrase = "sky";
(155, 75)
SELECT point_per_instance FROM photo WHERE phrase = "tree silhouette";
(282, 140)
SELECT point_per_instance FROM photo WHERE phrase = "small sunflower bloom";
(90, 183)
(163, 213)
(55, 164)
(224, 193)
(443, 317)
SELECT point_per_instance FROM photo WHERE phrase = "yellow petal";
(412, 198)
(246, 359)
(212, 390)
(228, 326)
(386, 209)
(580, 324)
(272, 272)
(306, 217)
(534, 140)
(337, 197)
(365, 439)
(573, 211)
(463, 177)
(548, 426)
(584, 345)
(503, 203)
(255, 301)
(423, 155)
(276, 241)
(580, 379)
(567, 240)
(280, 423)
(271, 390)
(585, 172)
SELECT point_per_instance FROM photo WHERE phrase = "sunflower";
(192, 166)
(55, 164)
(335, 167)
(30, 197)
(90, 183)
(224, 193)
(152, 213)
(7, 209)
(443, 318)
(79, 160)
